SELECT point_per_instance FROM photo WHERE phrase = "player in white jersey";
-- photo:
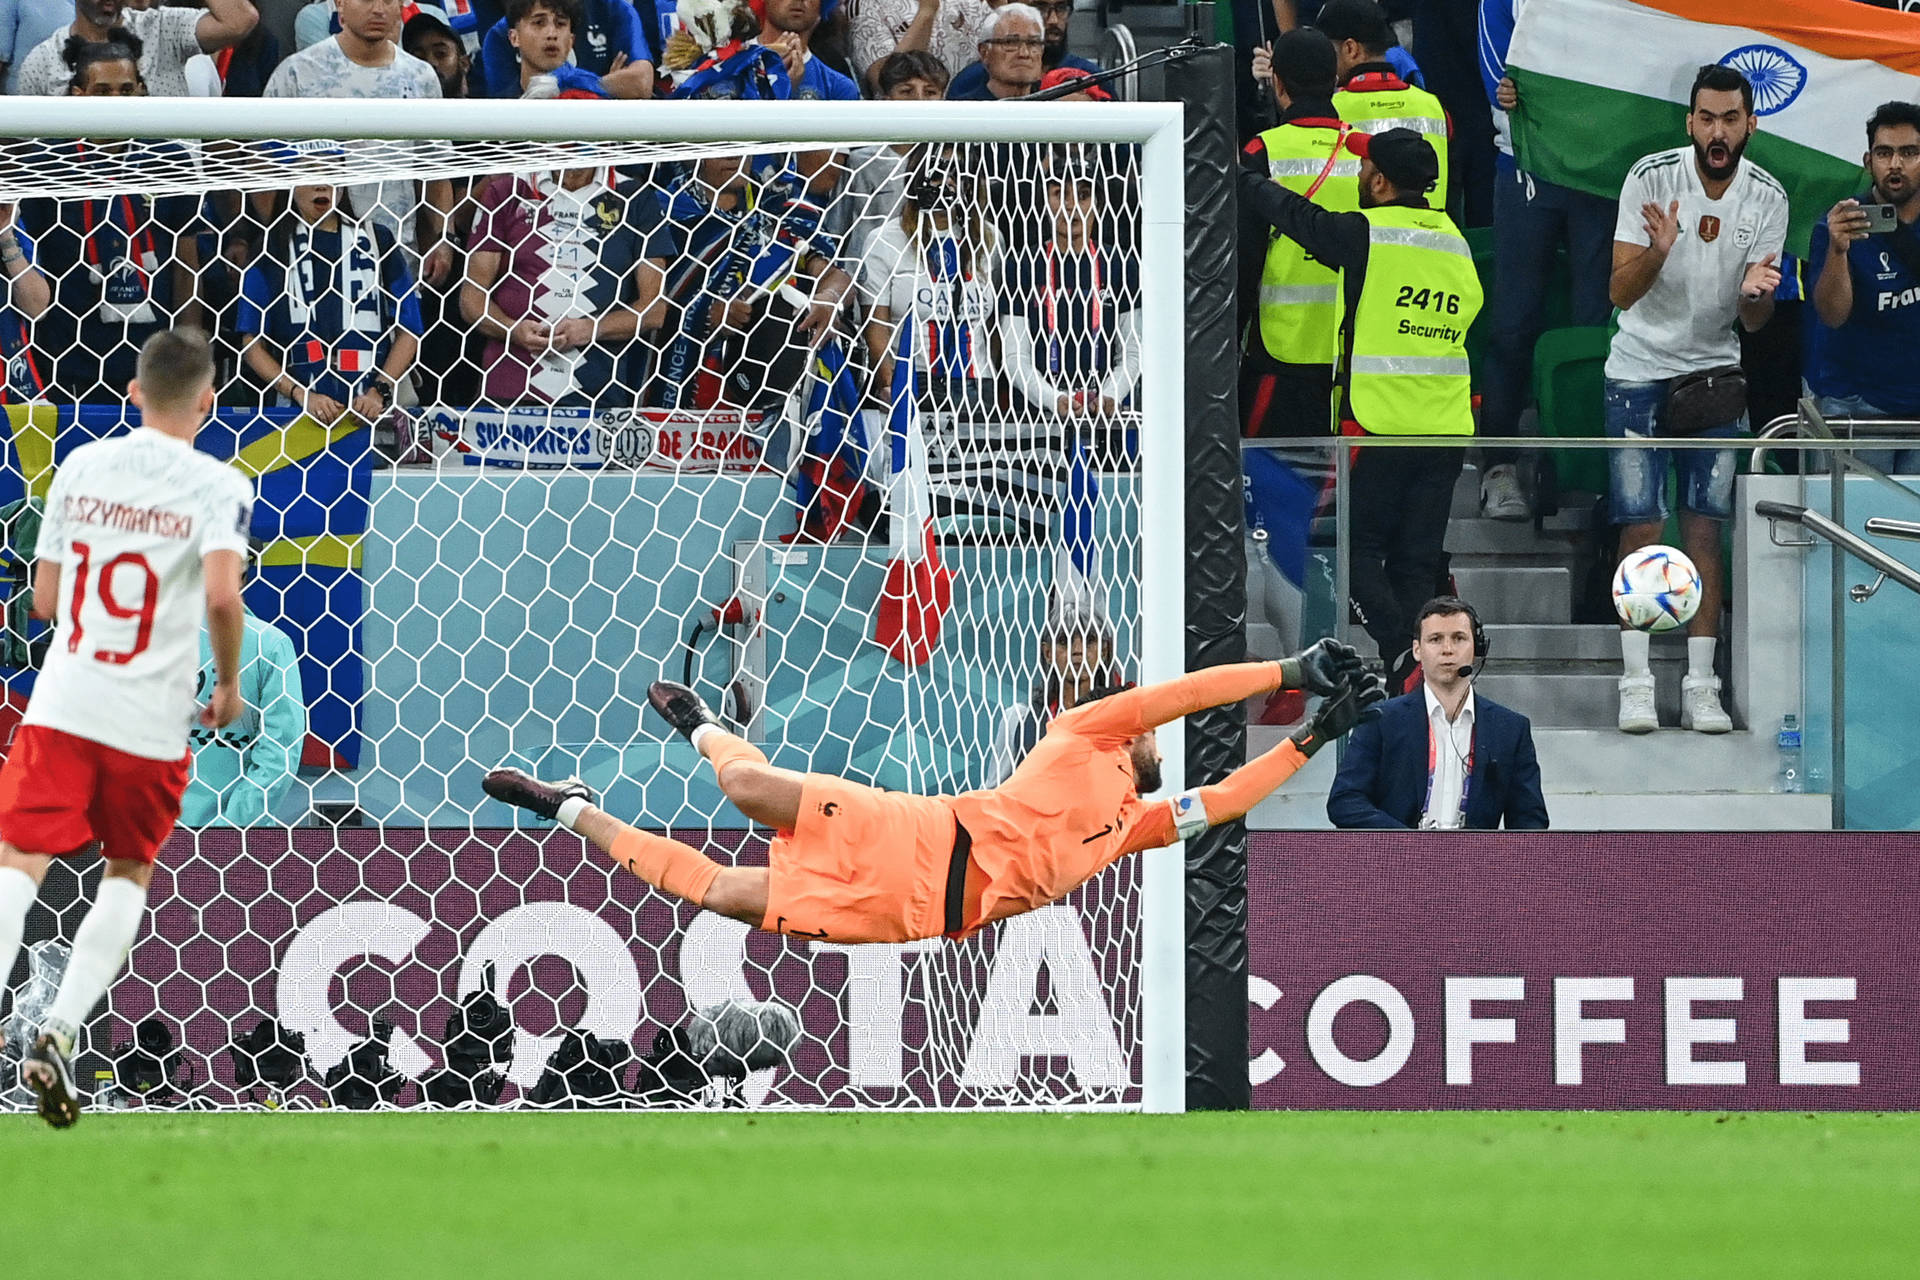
(144, 536)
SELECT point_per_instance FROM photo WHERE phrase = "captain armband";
(1189, 814)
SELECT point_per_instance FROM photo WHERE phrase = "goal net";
(863, 419)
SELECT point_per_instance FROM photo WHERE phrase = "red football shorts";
(59, 792)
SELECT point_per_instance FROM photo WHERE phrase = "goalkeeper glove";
(1359, 700)
(1324, 668)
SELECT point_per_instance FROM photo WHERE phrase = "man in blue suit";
(1442, 758)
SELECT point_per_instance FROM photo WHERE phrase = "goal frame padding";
(1216, 581)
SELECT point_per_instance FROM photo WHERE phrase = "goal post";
(1140, 520)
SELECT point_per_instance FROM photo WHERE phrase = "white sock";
(99, 950)
(17, 892)
(1700, 656)
(700, 731)
(1635, 650)
(570, 810)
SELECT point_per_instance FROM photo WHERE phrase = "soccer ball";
(1656, 589)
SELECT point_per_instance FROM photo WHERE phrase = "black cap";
(1361, 20)
(1305, 64)
(1406, 158)
(425, 14)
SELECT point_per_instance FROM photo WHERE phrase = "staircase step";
(1466, 494)
(1571, 699)
(1531, 594)
(1507, 537)
(1570, 642)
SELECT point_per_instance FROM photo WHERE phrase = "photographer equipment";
(584, 1071)
(365, 1077)
(268, 1055)
(719, 1045)
(479, 1037)
(149, 1066)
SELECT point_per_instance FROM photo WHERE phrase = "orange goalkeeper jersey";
(1071, 808)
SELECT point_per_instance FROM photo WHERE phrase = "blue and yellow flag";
(313, 501)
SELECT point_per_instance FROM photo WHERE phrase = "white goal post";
(453, 138)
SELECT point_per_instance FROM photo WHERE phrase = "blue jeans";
(1639, 476)
(1895, 462)
(1531, 217)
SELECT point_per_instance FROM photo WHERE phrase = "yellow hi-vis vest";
(1378, 110)
(1300, 297)
(1405, 371)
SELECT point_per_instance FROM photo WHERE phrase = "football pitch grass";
(751, 1195)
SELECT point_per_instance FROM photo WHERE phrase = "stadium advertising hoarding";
(1687, 971)
(328, 933)
(1389, 970)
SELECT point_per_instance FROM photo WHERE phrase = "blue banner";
(313, 488)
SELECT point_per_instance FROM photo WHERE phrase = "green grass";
(592, 1196)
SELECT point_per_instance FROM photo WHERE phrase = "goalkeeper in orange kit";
(854, 863)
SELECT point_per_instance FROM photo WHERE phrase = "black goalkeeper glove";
(1357, 701)
(1323, 668)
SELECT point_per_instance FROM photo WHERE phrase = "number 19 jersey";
(129, 521)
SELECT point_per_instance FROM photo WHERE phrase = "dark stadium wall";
(1589, 971)
(1216, 581)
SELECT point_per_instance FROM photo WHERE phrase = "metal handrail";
(1820, 526)
(1887, 527)
(1810, 423)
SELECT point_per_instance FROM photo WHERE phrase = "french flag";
(918, 589)
(1075, 593)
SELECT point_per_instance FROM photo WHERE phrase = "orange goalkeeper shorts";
(860, 865)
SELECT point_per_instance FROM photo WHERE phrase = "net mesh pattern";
(532, 425)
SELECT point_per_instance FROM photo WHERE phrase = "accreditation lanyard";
(1333, 158)
(1056, 354)
(1433, 769)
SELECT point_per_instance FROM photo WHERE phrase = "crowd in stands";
(1001, 279)
(1009, 281)
(1710, 326)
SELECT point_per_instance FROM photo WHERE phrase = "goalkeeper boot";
(47, 1072)
(516, 787)
(681, 707)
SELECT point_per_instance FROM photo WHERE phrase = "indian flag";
(1604, 82)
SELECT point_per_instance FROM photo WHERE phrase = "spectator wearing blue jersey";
(541, 32)
(331, 311)
(124, 265)
(1868, 292)
(734, 334)
(24, 295)
(608, 42)
(788, 27)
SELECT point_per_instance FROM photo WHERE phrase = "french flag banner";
(1076, 599)
(918, 588)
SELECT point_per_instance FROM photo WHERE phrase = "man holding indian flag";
(1701, 228)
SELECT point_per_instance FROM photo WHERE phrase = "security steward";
(1408, 294)
(1373, 97)
(1287, 377)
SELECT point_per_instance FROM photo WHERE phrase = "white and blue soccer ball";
(1656, 589)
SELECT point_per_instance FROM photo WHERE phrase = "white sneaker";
(1700, 708)
(1637, 714)
(1500, 495)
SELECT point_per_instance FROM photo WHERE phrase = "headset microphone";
(1466, 672)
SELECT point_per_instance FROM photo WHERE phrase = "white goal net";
(864, 420)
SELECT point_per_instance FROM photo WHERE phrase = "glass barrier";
(1717, 709)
